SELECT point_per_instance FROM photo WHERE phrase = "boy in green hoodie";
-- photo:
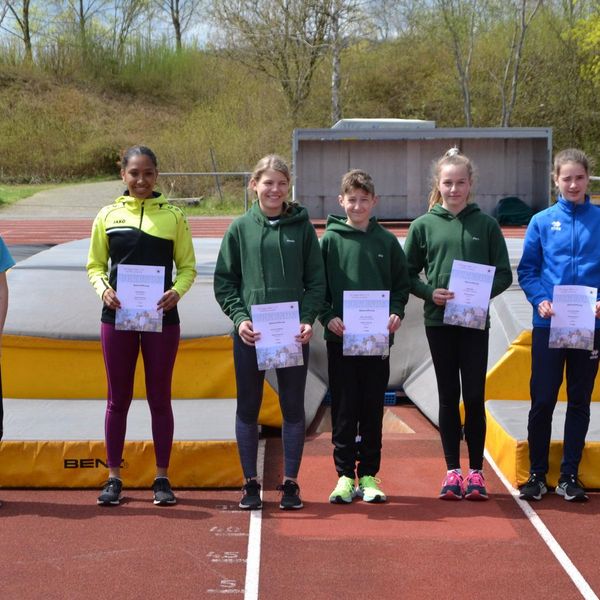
(359, 254)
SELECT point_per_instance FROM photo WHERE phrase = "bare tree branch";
(284, 39)
(181, 13)
(522, 21)
(460, 20)
(21, 15)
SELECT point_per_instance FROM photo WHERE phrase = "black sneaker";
(534, 489)
(251, 496)
(290, 498)
(570, 488)
(163, 494)
(111, 492)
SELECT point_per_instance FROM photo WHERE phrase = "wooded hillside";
(81, 79)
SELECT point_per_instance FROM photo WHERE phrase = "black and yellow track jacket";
(141, 232)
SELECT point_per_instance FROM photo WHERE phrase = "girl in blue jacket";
(560, 248)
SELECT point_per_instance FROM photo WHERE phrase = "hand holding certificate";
(472, 287)
(574, 319)
(279, 325)
(140, 288)
(366, 318)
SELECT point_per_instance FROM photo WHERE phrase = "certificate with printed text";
(139, 288)
(472, 287)
(366, 317)
(278, 324)
(572, 325)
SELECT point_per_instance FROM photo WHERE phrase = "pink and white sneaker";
(475, 486)
(452, 488)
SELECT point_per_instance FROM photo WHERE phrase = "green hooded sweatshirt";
(262, 262)
(361, 260)
(437, 238)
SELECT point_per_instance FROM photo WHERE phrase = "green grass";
(12, 193)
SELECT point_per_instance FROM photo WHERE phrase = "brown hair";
(571, 155)
(451, 157)
(357, 179)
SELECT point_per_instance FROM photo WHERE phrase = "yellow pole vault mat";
(60, 443)
(506, 441)
(53, 368)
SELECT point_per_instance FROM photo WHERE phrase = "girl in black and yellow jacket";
(140, 228)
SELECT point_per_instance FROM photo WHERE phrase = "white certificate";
(366, 317)
(572, 325)
(139, 288)
(472, 287)
(278, 324)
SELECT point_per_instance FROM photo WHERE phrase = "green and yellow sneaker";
(343, 492)
(368, 489)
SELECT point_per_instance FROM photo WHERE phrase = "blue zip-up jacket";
(561, 247)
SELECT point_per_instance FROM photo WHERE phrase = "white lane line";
(254, 533)
(565, 562)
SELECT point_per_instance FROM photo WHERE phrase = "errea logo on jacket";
(556, 226)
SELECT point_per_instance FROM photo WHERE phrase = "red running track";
(59, 544)
(57, 232)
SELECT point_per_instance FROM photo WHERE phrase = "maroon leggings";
(121, 349)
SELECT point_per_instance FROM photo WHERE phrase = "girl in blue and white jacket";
(561, 248)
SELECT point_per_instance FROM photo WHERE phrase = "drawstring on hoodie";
(280, 251)
(260, 257)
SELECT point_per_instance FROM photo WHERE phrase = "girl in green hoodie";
(270, 254)
(456, 229)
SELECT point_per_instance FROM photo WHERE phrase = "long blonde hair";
(275, 163)
(451, 157)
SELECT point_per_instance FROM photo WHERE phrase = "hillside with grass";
(66, 115)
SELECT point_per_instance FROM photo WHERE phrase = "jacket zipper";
(142, 215)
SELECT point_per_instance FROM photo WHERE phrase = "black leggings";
(460, 355)
(291, 383)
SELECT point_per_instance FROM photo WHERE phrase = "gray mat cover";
(51, 297)
(512, 416)
(84, 420)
